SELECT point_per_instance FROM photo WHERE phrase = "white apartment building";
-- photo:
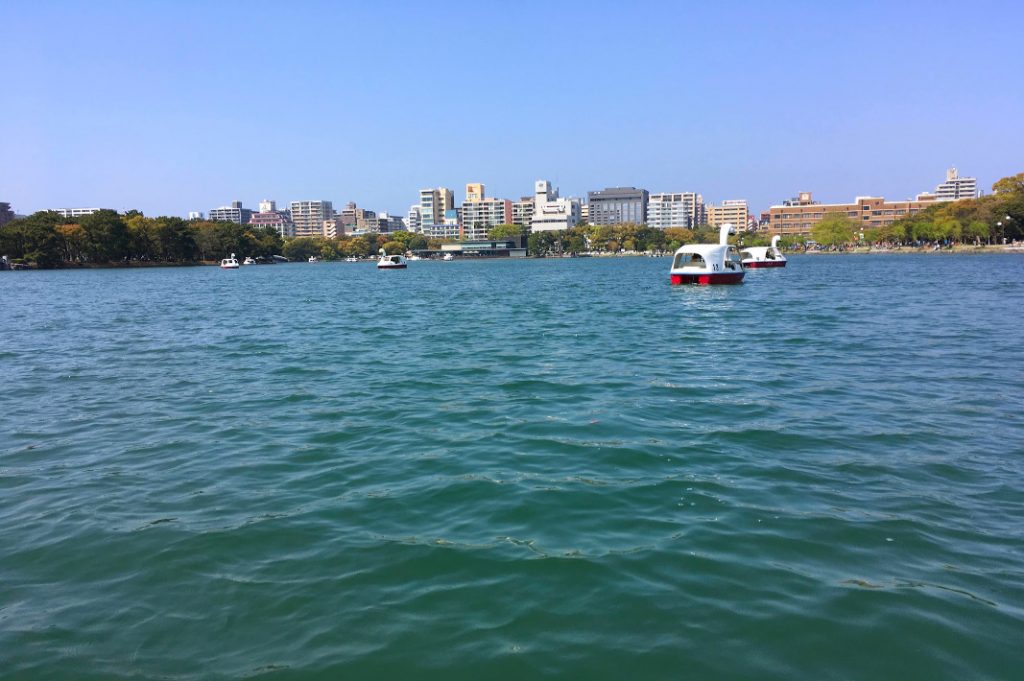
(309, 216)
(478, 217)
(74, 212)
(550, 212)
(733, 212)
(195, 215)
(956, 187)
(412, 220)
(268, 206)
(675, 209)
(234, 213)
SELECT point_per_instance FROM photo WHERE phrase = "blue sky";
(175, 106)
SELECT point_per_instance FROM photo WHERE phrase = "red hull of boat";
(759, 265)
(708, 279)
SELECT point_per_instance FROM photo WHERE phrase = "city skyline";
(790, 102)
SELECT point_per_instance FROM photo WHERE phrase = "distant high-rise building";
(6, 214)
(585, 213)
(522, 212)
(195, 215)
(412, 220)
(678, 209)
(309, 216)
(550, 212)
(275, 219)
(268, 206)
(233, 213)
(480, 214)
(74, 212)
(733, 212)
(433, 205)
(956, 187)
(617, 205)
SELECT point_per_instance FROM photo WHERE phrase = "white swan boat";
(314, 259)
(708, 263)
(229, 263)
(249, 261)
(757, 257)
(391, 262)
(448, 257)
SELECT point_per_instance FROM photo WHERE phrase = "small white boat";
(757, 257)
(229, 263)
(448, 257)
(351, 258)
(249, 261)
(414, 257)
(391, 262)
(708, 263)
(313, 258)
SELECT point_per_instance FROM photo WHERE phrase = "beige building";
(733, 212)
(522, 212)
(798, 215)
(479, 213)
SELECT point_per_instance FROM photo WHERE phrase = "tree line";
(48, 239)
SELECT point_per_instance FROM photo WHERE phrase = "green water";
(507, 470)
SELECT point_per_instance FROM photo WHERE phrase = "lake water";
(514, 469)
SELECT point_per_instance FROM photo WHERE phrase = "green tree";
(834, 229)
(500, 232)
(107, 238)
(393, 247)
(417, 243)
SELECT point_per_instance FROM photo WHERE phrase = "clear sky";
(171, 106)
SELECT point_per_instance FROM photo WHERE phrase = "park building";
(551, 213)
(732, 212)
(675, 209)
(616, 205)
(309, 216)
(798, 216)
(74, 212)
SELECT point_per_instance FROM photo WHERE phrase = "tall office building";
(522, 212)
(956, 187)
(550, 212)
(309, 216)
(474, 191)
(268, 206)
(678, 209)
(617, 205)
(233, 213)
(733, 212)
(480, 214)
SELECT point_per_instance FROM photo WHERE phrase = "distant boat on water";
(757, 257)
(391, 262)
(229, 263)
(249, 261)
